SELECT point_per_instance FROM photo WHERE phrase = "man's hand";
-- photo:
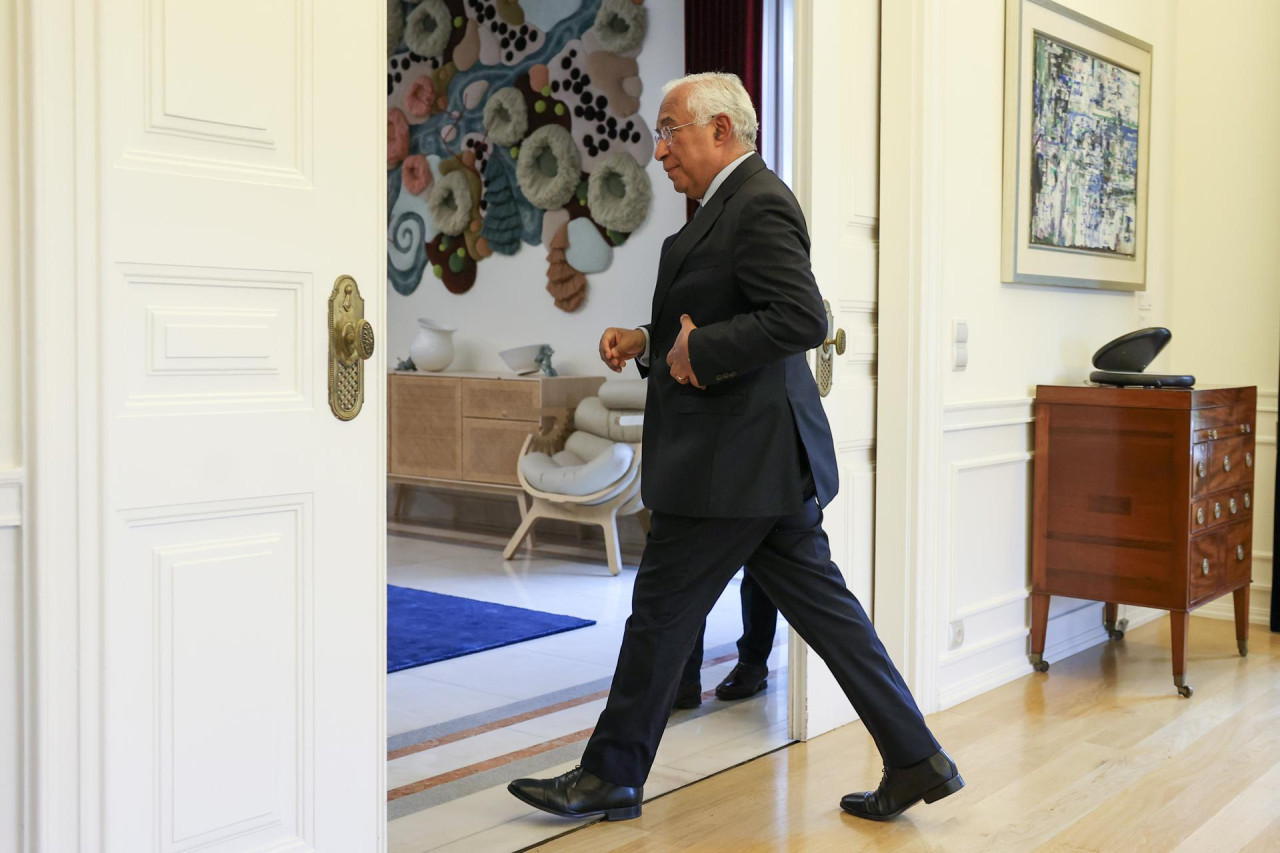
(618, 346)
(678, 358)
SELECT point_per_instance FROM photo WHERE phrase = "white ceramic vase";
(432, 348)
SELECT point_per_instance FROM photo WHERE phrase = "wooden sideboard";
(1143, 497)
(463, 431)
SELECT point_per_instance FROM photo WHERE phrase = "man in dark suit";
(738, 462)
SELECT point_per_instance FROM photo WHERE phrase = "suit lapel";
(698, 227)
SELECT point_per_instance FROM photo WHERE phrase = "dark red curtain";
(725, 35)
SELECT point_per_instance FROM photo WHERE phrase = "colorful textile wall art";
(1085, 147)
(509, 122)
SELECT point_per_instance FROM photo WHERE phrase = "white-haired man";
(738, 463)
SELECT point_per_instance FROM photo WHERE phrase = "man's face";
(692, 157)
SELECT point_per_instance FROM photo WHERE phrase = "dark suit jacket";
(743, 446)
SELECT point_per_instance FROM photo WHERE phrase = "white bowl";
(522, 359)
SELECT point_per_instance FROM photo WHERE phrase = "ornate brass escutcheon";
(350, 344)
(824, 363)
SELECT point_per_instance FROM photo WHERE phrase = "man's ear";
(724, 127)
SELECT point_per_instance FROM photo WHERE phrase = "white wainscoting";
(11, 664)
(984, 610)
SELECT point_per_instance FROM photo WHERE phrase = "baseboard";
(1224, 608)
(1017, 665)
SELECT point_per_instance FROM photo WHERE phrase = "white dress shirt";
(719, 179)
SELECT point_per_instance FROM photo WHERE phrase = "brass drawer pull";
(1199, 515)
(1213, 433)
(1204, 566)
(1246, 500)
(1248, 459)
(1245, 428)
(1232, 505)
(1240, 553)
(1200, 470)
(1217, 510)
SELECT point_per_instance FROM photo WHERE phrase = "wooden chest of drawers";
(1143, 497)
(466, 429)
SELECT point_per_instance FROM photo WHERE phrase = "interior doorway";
(460, 728)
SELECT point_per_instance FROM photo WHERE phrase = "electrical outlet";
(957, 634)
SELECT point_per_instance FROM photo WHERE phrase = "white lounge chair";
(596, 477)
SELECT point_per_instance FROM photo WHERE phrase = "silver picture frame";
(1073, 217)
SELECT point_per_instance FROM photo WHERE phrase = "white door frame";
(58, 259)
(909, 387)
(909, 410)
(58, 198)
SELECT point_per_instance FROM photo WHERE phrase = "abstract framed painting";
(1077, 127)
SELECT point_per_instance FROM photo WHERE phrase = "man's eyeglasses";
(663, 134)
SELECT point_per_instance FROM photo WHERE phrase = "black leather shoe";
(900, 788)
(687, 696)
(579, 794)
(746, 679)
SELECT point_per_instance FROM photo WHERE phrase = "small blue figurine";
(543, 360)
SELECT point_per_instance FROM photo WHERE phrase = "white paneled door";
(836, 179)
(228, 164)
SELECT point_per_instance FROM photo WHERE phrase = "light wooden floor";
(1099, 753)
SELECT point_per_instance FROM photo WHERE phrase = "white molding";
(11, 498)
(988, 414)
(60, 269)
(993, 603)
(908, 522)
(1018, 666)
(1224, 607)
(953, 499)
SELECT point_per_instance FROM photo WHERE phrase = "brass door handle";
(351, 342)
(824, 360)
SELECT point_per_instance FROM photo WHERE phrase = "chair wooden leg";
(613, 550)
(524, 513)
(1242, 619)
(526, 524)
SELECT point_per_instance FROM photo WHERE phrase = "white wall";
(1225, 271)
(509, 306)
(1019, 336)
(10, 446)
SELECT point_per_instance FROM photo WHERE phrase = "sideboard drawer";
(1222, 422)
(1220, 508)
(1230, 462)
(502, 399)
(1219, 560)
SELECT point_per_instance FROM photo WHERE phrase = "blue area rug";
(425, 627)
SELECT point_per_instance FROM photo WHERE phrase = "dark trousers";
(759, 623)
(686, 565)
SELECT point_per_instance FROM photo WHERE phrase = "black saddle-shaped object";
(1121, 361)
